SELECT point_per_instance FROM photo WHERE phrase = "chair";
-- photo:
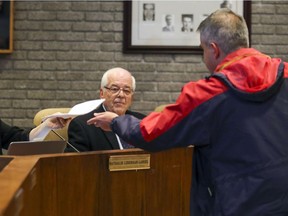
(160, 108)
(42, 113)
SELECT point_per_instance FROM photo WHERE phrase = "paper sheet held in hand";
(78, 109)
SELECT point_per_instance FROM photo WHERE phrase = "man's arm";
(102, 120)
(42, 130)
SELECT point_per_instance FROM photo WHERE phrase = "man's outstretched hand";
(102, 120)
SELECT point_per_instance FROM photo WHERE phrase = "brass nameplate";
(129, 162)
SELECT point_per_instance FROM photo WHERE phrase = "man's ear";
(101, 94)
(216, 50)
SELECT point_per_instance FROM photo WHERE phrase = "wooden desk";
(81, 184)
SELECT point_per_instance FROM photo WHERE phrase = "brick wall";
(61, 50)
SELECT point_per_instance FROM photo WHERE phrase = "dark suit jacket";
(90, 138)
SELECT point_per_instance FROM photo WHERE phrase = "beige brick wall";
(61, 50)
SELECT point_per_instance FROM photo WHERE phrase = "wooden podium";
(83, 184)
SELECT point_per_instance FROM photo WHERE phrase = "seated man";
(117, 88)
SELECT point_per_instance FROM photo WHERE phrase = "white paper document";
(78, 109)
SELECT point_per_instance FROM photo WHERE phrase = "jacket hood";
(250, 74)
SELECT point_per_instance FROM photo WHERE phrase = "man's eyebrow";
(125, 86)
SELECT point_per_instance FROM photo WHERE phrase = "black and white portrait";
(187, 23)
(169, 23)
(148, 12)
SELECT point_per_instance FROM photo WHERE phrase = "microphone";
(62, 138)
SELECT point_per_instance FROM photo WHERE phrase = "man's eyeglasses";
(116, 90)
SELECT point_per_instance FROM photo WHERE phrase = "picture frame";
(6, 26)
(150, 35)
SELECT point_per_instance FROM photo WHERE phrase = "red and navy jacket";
(237, 120)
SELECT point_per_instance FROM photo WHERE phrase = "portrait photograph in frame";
(171, 26)
(6, 26)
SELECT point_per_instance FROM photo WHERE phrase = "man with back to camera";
(236, 119)
(117, 88)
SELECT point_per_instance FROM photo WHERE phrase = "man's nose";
(121, 92)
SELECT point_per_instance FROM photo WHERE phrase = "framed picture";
(6, 26)
(171, 26)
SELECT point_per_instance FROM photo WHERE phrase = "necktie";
(125, 145)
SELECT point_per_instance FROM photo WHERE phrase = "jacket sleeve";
(186, 122)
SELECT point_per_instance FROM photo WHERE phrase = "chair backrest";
(42, 113)
(160, 108)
